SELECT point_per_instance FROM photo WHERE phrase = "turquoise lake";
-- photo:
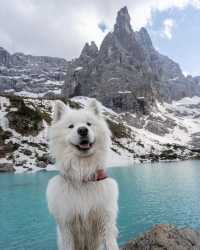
(149, 194)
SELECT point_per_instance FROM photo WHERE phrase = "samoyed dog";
(82, 198)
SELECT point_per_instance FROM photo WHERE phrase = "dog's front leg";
(65, 238)
(111, 233)
(111, 244)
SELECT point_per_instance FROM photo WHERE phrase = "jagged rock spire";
(123, 21)
(143, 38)
(90, 50)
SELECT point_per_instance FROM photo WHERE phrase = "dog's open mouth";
(84, 145)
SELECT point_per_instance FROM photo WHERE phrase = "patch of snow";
(78, 68)
(29, 94)
(113, 79)
(124, 92)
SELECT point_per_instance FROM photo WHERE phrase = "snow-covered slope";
(170, 132)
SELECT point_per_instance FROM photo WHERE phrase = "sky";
(62, 27)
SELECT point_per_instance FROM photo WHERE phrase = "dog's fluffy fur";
(85, 211)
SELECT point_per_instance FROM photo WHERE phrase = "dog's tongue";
(84, 146)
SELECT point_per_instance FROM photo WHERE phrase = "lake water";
(149, 194)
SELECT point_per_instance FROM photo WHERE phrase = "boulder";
(166, 237)
(6, 167)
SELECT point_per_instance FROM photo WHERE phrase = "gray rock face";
(125, 69)
(5, 59)
(115, 74)
(166, 237)
(125, 37)
(35, 74)
(89, 51)
(156, 128)
(161, 65)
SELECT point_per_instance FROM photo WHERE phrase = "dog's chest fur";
(88, 232)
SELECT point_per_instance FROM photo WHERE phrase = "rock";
(89, 51)
(125, 69)
(26, 120)
(6, 167)
(35, 74)
(161, 65)
(133, 120)
(166, 237)
(6, 83)
(51, 95)
(195, 142)
(118, 129)
(7, 148)
(21, 163)
(20, 85)
(45, 158)
(157, 128)
(4, 135)
(5, 57)
(26, 151)
(41, 164)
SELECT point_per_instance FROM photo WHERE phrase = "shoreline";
(49, 168)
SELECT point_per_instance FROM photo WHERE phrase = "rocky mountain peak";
(123, 21)
(143, 38)
(121, 45)
(127, 73)
(89, 50)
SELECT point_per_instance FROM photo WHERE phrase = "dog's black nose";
(82, 131)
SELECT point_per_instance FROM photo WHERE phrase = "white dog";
(82, 199)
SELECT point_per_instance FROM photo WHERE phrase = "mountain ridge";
(138, 87)
(125, 68)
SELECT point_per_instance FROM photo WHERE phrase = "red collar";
(99, 175)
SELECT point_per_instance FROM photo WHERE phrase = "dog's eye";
(89, 124)
(71, 126)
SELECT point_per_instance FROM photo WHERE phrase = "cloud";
(61, 28)
(102, 26)
(168, 25)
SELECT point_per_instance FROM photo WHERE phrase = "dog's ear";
(59, 109)
(95, 107)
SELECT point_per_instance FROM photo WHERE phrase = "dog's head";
(78, 133)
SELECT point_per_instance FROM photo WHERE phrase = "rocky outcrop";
(6, 167)
(23, 142)
(125, 70)
(166, 237)
(89, 51)
(116, 74)
(161, 65)
(5, 58)
(26, 120)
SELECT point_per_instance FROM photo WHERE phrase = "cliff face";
(126, 68)
(33, 74)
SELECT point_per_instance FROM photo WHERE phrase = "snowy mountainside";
(170, 132)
